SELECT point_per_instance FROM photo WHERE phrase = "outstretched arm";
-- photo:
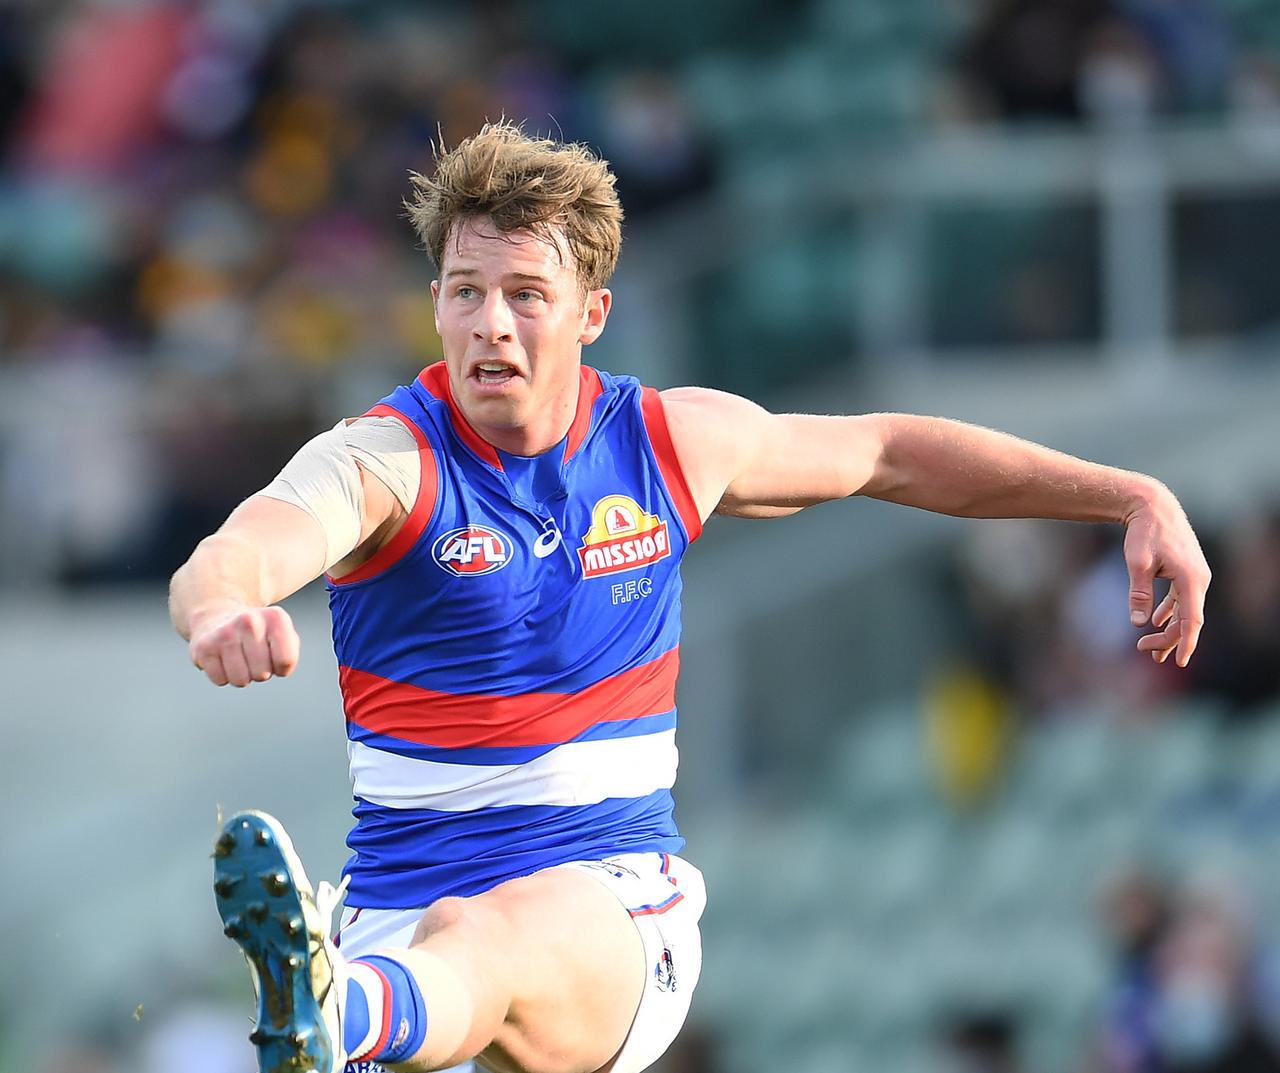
(744, 461)
(222, 599)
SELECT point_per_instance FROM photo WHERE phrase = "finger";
(1191, 626)
(1192, 615)
(211, 664)
(1141, 581)
(1166, 638)
(1157, 642)
(1166, 609)
(283, 644)
(235, 665)
(253, 641)
(1162, 655)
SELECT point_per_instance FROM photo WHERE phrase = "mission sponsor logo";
(472, 550)
(622, 537)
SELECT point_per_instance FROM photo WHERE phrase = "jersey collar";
(435, 379)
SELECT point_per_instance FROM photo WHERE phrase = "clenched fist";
(237, 645)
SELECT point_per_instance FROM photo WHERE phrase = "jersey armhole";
(655, 423)
(424, 504)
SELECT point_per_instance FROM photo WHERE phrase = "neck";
(538, 436)
(529, 440)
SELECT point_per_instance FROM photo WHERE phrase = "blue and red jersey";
(508, 661)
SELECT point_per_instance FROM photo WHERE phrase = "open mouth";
(494, 372)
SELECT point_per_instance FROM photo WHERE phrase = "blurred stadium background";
(949, 820)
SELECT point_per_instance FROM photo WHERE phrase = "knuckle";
(1142, 559)
(275, 617)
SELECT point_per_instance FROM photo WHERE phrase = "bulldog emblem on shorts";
(664, 973)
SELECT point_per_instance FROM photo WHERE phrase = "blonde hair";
(522, 183)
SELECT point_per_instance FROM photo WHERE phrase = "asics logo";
(548, 540)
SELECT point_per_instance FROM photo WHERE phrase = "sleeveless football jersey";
(508, 661)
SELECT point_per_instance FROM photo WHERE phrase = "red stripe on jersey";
(435, 378)
(589, 389)
(423, 504)
(463, 720)
(655, 421)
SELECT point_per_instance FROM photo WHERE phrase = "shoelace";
(327, 898)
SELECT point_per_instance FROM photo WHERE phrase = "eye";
(465, 292)
(527, 296)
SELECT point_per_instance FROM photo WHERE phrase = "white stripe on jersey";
(579, 773)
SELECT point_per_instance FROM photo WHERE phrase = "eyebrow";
(526, 276)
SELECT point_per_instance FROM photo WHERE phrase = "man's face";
(513, 322)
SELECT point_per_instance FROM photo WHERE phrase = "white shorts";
(665, 896)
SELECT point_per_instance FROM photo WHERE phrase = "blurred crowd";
(1197, 984)
(223, 178)
(1045, 616)
(1041, 634)
(1195, 988)
(1117, 62)
(203, 254)
(203, 260)
(1117, 66)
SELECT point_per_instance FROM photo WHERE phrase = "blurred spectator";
(1026, 55)
(652, 142)
(1119, 80)
(1196, 986)
(1135, 912)
(1240, 657)
(970, 734)
(980, 1042)
(1047, 619)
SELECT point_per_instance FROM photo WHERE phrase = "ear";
(594, 315)
(435, 304)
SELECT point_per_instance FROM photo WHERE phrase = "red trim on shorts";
(655, 421)
(423, 505)
(590, 388)
(659, 909)
(435, 378)
(384, 1036)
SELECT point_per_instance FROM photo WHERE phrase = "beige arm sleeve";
(324, 479)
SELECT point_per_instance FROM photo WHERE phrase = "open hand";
(1160, 543)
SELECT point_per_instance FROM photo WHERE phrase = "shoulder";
(713, 435)
(705, 409)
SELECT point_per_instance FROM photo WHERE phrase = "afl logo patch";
(472, 550)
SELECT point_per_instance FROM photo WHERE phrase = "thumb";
(1141, 582)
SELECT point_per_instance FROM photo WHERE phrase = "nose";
(493, 322)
